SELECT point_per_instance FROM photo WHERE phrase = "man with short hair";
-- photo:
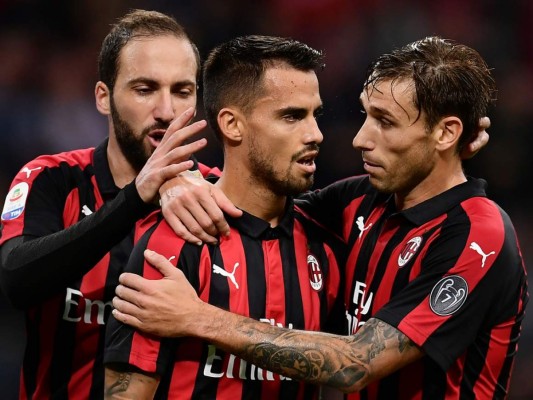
(68, 220)
(435, 283)
(277, 266)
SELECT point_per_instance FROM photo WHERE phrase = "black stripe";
(256, 281)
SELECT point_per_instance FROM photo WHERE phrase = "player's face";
(156, 82)
(283, 136)
(398, 153)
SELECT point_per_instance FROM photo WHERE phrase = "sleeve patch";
(448, 295)
(15, 201)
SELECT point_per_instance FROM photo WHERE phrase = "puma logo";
(360, 222)
(230, 275)
(28, 171)
(474, 246)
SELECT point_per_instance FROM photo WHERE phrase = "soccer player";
(261, 96)
(68, 220)
(436, 287)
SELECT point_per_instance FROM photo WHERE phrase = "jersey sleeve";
(124, 344)
(471, 287)
(39, 254)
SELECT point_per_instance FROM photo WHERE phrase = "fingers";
(224, 203)
(484, 123)
(126, 318)
(160, 263)
(179, 228)
(178, 123)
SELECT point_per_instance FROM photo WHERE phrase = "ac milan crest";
(315, 273)
(409, 250)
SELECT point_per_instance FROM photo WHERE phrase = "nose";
(314, 134)
(362, 139)
(164, 108)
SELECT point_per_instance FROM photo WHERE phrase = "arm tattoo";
(344, 362)
(120, 385)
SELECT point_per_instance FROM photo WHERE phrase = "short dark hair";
(448, 78)
(136, 24)
(233, 71)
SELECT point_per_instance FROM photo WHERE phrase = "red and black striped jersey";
(448, 273)
(286, 276)
(67, 232)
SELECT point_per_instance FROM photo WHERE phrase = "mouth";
(369, 165)
(156, 136)
(307, 161)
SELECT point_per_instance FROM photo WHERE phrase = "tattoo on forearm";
(339, 361)
(120, 385)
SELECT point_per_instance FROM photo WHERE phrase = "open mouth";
(308, 161)
(155, 137)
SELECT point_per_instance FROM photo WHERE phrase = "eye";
(143, 90)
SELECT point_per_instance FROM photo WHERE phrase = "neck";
(247, 194)
(121, 170)
(441, 179)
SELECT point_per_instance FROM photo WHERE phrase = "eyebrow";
(153, 82)
(377, 110)
(300, 111)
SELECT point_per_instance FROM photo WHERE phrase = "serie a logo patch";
(15, 201)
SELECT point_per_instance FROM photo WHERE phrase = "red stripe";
(454, 377)
(275, 293)
(310, 298)
(238, 298)
(186, 367)
(494, 360)
(387, 280)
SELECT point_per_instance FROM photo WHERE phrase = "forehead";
(160, 58)
(284, 86)
(393, 97)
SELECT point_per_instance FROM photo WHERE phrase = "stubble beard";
(131, 145)
(263, 170)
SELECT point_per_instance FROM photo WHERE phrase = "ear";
(102, 95)
(230, 122)
(449, 130)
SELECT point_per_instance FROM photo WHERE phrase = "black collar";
(442, 203)
(260, 229)
(102, 172)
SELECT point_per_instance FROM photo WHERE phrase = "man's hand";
(193, 208)
(171, 156)
(165, 307)
(479, 141)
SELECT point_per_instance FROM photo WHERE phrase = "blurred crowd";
(48, 53)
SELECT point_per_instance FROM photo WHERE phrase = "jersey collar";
(442, 203)
(260, 229)
(102, 172)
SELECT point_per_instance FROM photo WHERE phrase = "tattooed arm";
(170, 307)
(123, 382)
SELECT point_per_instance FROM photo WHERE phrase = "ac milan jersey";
(65, 273)
(285, 276)
(448, 273)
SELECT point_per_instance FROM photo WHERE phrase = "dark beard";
(262, 167)
(132, 146)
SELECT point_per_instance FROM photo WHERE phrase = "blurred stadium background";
(48, 53)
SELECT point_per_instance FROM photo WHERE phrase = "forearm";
(43, 266)
(348, 363)
(121, 382)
